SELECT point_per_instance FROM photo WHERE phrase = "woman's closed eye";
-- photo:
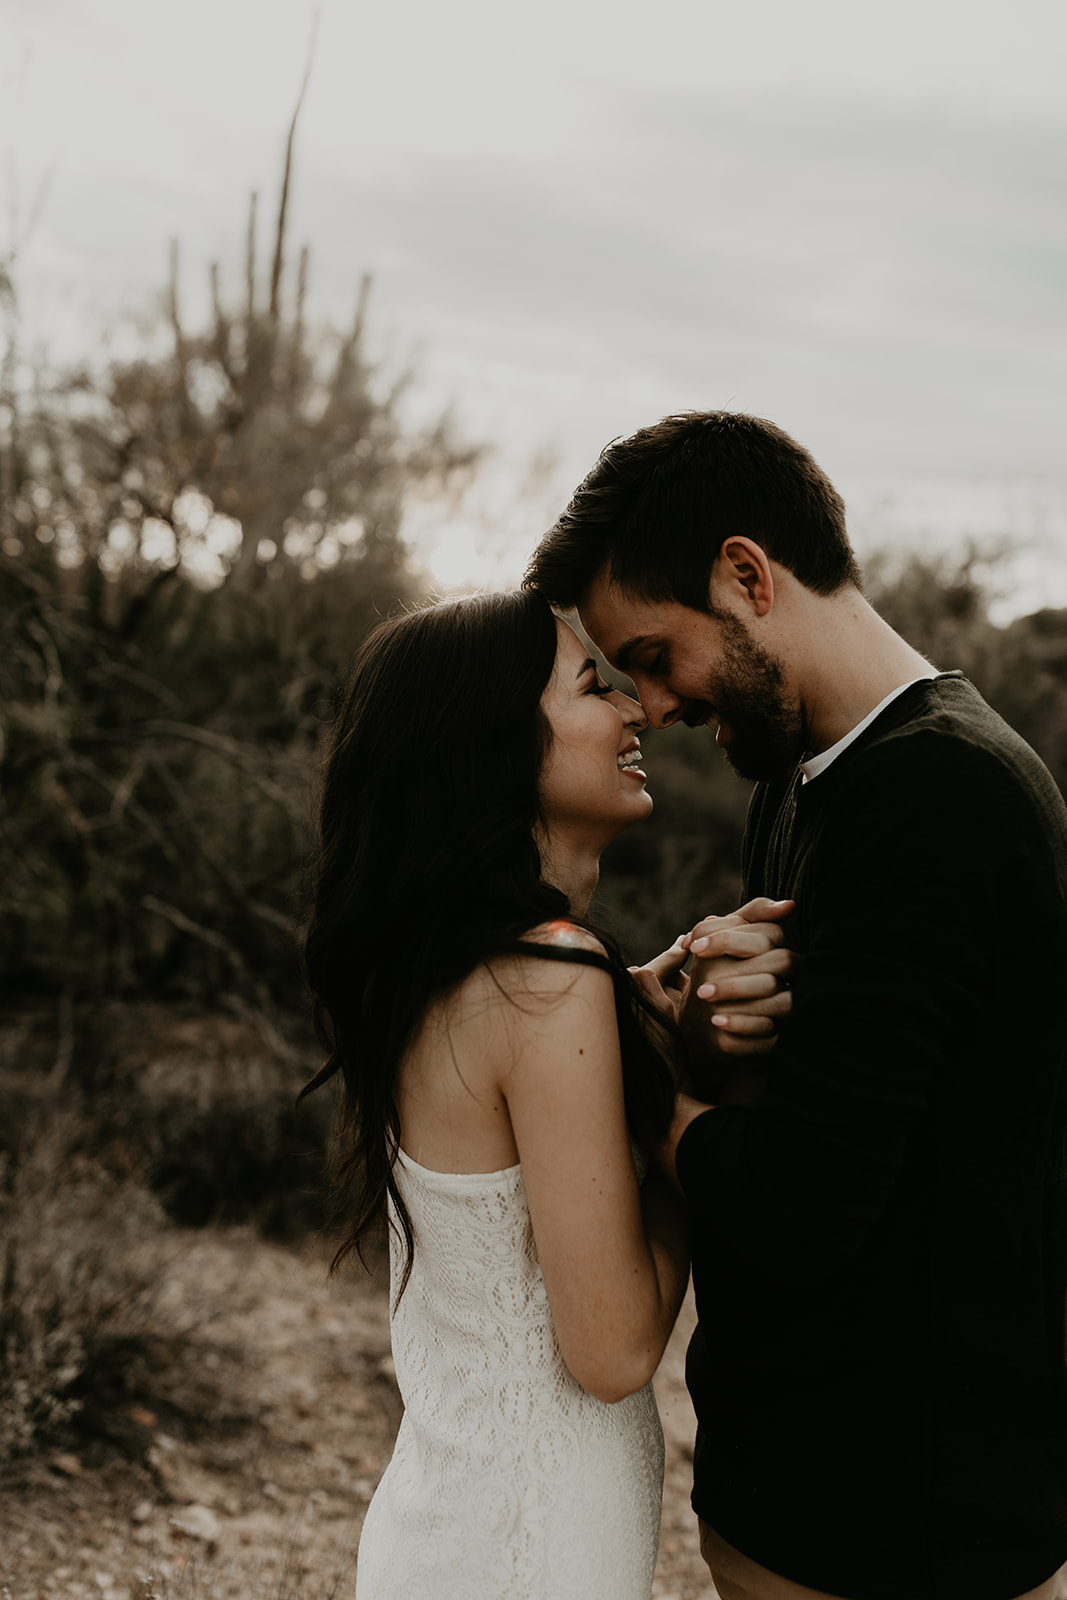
(597, 687)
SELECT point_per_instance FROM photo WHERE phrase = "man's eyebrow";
(625, 651)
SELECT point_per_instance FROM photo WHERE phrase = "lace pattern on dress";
(508, 1481)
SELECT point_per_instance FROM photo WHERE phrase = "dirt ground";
(264, 1499)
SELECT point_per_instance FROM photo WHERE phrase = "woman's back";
(453, 1114)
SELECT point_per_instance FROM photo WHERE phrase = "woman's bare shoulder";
(514, 977)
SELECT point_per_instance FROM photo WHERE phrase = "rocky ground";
(259, 1493)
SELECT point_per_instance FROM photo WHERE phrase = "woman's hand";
(662, 981)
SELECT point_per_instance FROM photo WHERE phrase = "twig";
(279, 243)
(186, 924)
(250, 267)
(241, 755)
(64, 1039)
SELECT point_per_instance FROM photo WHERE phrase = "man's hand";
(740, 964)
(738, 989)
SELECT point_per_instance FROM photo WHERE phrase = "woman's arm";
(615, 1257)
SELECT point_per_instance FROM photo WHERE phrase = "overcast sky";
(846, 216)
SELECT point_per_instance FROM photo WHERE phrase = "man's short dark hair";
(658, 505)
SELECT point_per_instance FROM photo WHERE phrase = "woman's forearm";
(667, 1230)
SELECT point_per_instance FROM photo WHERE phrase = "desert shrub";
(154, 815)
(199, 1107)
(206, 1105)
(82, 1273)
(193, 542)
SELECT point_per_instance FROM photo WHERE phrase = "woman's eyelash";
(596, 687)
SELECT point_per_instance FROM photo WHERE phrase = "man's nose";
(661, 707)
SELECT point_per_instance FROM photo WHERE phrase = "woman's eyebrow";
(585, 666)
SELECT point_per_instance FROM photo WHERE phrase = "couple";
(878, 1222)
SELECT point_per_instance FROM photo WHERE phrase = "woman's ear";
(742, 572)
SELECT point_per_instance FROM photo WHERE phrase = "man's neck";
(849, 659)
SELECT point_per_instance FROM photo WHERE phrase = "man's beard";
(766, 726)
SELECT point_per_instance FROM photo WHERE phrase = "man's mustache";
(699, 712)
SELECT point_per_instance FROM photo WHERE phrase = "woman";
(496, 1071)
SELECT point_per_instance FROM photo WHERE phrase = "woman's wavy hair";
(427, 866)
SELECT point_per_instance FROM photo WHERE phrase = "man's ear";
(742, 572)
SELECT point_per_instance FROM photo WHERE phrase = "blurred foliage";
(93, 1324)
(192, 543)
(941, 605)
(82, 1275)
(657, 880)
(201, 1105)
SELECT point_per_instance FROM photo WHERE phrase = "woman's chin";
(640, 808)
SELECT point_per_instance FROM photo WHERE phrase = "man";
(880, 1239)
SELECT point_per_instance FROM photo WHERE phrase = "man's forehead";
(615, 617)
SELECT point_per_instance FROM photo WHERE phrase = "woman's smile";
(593, 777)
(629, 761)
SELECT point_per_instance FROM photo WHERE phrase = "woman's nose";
(633, 713)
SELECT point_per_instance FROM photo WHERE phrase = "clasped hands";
(731, 1002)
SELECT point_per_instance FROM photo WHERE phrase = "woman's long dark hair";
(427, 864)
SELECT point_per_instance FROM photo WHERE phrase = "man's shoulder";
(939, 747)
(951, 762)
(943, 726)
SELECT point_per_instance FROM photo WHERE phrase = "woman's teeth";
(628, 760)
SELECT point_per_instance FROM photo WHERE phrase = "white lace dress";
(508, 1480)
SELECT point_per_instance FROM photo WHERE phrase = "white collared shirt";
(816, 764)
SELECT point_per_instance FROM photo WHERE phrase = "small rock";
(386, 1369)
(63, 1461)
(142, 1511)
(143, 1418)
(199, 1522)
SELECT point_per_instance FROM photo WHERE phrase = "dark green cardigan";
(880, 1242)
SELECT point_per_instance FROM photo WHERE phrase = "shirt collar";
(814, 765)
